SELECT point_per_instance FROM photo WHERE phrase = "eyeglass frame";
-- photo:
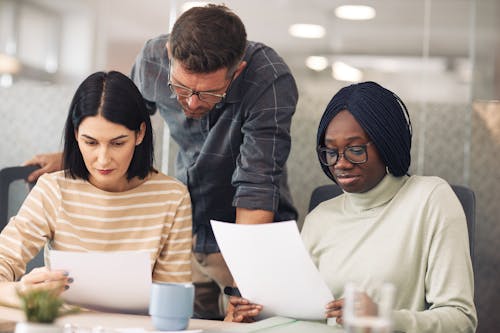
(323, 149)
(194, 92)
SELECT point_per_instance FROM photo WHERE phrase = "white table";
(86, 321)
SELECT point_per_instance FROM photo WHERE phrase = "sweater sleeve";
(174, 262)
(28, 231)
(449, 280)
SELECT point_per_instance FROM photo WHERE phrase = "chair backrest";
(323, 193)
(7, 177)
(468, 200)
(464, 194)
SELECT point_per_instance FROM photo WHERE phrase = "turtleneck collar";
(377, 196)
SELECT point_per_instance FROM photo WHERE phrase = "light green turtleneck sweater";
(410, 231)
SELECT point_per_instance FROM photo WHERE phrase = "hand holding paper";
(112, 281)
(272, 267)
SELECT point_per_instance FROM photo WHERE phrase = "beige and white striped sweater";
(76, 216)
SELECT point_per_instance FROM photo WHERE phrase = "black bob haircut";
(115, 97)
(383, 116)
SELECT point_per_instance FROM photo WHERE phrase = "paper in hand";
(271, 267)
(106, 281)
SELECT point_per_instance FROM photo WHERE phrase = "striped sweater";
(74, 215)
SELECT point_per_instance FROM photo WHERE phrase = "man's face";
(196, 105)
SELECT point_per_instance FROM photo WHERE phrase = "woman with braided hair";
(388, 226)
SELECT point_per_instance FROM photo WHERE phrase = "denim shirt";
(235, 155)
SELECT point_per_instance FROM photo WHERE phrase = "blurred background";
(440, 56)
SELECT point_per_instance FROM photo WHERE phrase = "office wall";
(32, 119)
(485, 160)
(485, 180)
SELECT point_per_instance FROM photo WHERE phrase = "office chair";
(7, 177)
(465, 195)
(468, 200)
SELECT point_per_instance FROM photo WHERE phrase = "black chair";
(468, 200)
(323, 193)
(465, 195)
(7, 177)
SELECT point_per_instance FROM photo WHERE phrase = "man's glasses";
(185, 92)
(354, 154)
(205, 96)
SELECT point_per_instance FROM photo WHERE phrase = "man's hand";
(240, 310)
(47, 162)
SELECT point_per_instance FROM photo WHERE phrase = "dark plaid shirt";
(235, 155)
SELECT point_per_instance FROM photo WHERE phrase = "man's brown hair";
(206, 39)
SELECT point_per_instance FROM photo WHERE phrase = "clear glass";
(363, 314)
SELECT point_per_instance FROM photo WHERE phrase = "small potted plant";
(41, 307)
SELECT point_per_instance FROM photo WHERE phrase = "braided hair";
(383, 116)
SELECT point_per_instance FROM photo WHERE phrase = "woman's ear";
(140, 134)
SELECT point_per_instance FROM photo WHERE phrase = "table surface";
(87, 322)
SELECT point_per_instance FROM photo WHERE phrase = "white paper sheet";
(107, 281)
(272, 267)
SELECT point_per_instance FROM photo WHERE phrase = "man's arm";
(47, 162)
(267, 111)
(253, 216)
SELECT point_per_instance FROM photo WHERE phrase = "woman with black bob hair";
(108, 197)
(387, 226)
(116, 98)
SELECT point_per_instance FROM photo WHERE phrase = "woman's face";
(107, 149)
(344, 131)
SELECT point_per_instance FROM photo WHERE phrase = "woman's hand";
(240, 310)
(364, 306)
(43, 278)
(334, 309)
(38, 278)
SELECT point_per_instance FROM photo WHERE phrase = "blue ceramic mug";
(171, 305)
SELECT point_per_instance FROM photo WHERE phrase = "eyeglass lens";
(354, 154)
(186, 92)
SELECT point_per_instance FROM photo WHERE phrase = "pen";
(232, 291)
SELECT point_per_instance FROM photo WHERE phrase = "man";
(228, 103)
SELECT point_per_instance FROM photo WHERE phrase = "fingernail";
(70, 280)
(65, 273)
(66, 287)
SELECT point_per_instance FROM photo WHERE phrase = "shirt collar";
(382, 193)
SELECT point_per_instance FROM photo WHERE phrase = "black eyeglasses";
(355, 154)
(204, 96)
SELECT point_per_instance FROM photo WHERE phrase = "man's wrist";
(232, 291)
